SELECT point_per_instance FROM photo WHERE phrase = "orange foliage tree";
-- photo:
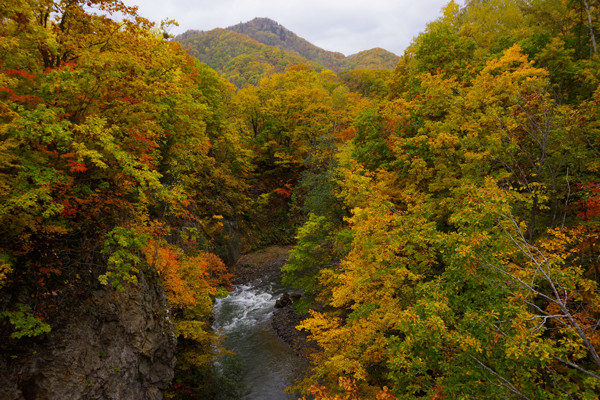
(107, 129)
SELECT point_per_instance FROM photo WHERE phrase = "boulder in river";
(285, 300)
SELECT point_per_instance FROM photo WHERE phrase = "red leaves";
(183, 390)
(142, 139)
(16, 98)
(76, 167)
(48, 270)
(68, 210)
(286, 191)
(130, 100)
(20, 73)
(346, 134)
(12, 94)
(591, 205)
(350, 392)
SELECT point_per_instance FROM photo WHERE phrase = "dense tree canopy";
(445, 214)
(116, 160)
(467, 266)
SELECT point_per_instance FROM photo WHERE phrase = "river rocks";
(264, 264)
(115, 346)
(284, 322)
(285, 300)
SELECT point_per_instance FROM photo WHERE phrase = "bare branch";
(567, 200)
(577, 367)
(505, 383)
(543, 265)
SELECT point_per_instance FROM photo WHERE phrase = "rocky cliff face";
(114, 346)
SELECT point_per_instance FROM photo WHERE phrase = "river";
(262, 365)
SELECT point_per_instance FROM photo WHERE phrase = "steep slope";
(237, 57)
(217, 47)
(271, 33)
(246, 52)
(119, 346)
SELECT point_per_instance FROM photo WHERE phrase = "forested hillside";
(271, 33)
(444, 215)
(246, 52)
(374, 59)
(240, 59)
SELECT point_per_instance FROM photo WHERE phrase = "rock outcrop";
(115, 346)
(284, 322)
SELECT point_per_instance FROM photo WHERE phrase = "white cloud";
(347, 26)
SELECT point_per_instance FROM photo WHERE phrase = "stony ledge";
(120, 346)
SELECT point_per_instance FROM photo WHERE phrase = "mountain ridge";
(239, 58)
(245, 52)
(271, 33)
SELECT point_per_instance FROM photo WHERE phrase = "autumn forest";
(443, 206)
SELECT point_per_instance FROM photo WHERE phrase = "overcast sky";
(347, 26)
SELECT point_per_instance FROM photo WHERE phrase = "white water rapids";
(262, 365)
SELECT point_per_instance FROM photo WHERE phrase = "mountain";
(273, 34)
(239, 58)
(248, 51)
(376, 58)
(217, 47)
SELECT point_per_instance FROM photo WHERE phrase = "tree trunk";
(592, 35)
